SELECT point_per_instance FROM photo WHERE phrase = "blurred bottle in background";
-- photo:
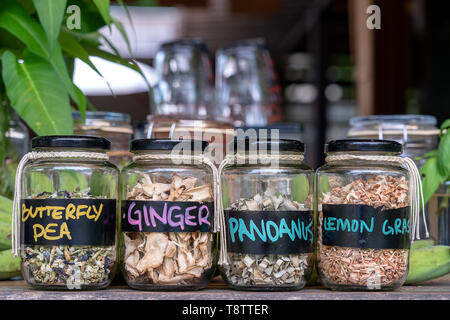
(114, 126)
(185, 80)
(247, 89)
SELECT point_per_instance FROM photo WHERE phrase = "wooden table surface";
(437, 289)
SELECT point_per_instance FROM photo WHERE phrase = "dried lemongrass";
(171, 258)
(361, 266)
(271, 269)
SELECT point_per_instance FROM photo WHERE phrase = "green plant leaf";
(28, 5)
(73, 48)
(300, 188)
(83, 102)
(324, 185)
(432, 178)
(103, 8)
(445, 124)
(51, 15)
(40, 182)
(123, 33)
(444, 155)
(15, 19)
(131, 23)
(37, 94)
(429, 154)
(94, 51)
(59, 66)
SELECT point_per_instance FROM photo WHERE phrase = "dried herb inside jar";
(169, 258)
(68, 265)
(268, 269)
(364, 266)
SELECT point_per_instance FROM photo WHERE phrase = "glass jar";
(17, 144)
(417, 133)
(268, 214)
(167, 207)
(114, 126)
(364, 217)
(216, 133)
(185, 80)
(68, 214)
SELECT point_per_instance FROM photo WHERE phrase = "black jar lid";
(71, 141)
(363, 145)
(166, 144)
(278, 144)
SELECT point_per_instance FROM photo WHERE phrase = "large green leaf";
(51, 15)
(444, 155)
(300, 188)
(445, 124)
(15, 19)
(123, 33)
(96, 52)
(103, 8)
(73, 48)
(37, 94)
(432, 178)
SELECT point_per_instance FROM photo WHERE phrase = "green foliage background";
(37, 52)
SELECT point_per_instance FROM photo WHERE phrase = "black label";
(68, 222)
(362, 226)
(269, 232)
(167, 216)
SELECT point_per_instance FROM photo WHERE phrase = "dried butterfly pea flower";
(63, 265)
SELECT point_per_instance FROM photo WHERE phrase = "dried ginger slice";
(154, 251)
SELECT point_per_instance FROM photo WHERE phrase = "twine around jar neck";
(230, 160)
(199, 159)
(415, 182)
(35, 155)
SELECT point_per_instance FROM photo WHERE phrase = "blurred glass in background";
(114, 126)
(185, 80)
(246, 85)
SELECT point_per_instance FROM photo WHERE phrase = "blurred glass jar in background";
(418, 134)
(114, 126)
(18, 141)
(246, 85)
(215, 132)
(18, 135)
(185, 80)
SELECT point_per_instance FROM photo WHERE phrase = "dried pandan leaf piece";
(267, 270)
